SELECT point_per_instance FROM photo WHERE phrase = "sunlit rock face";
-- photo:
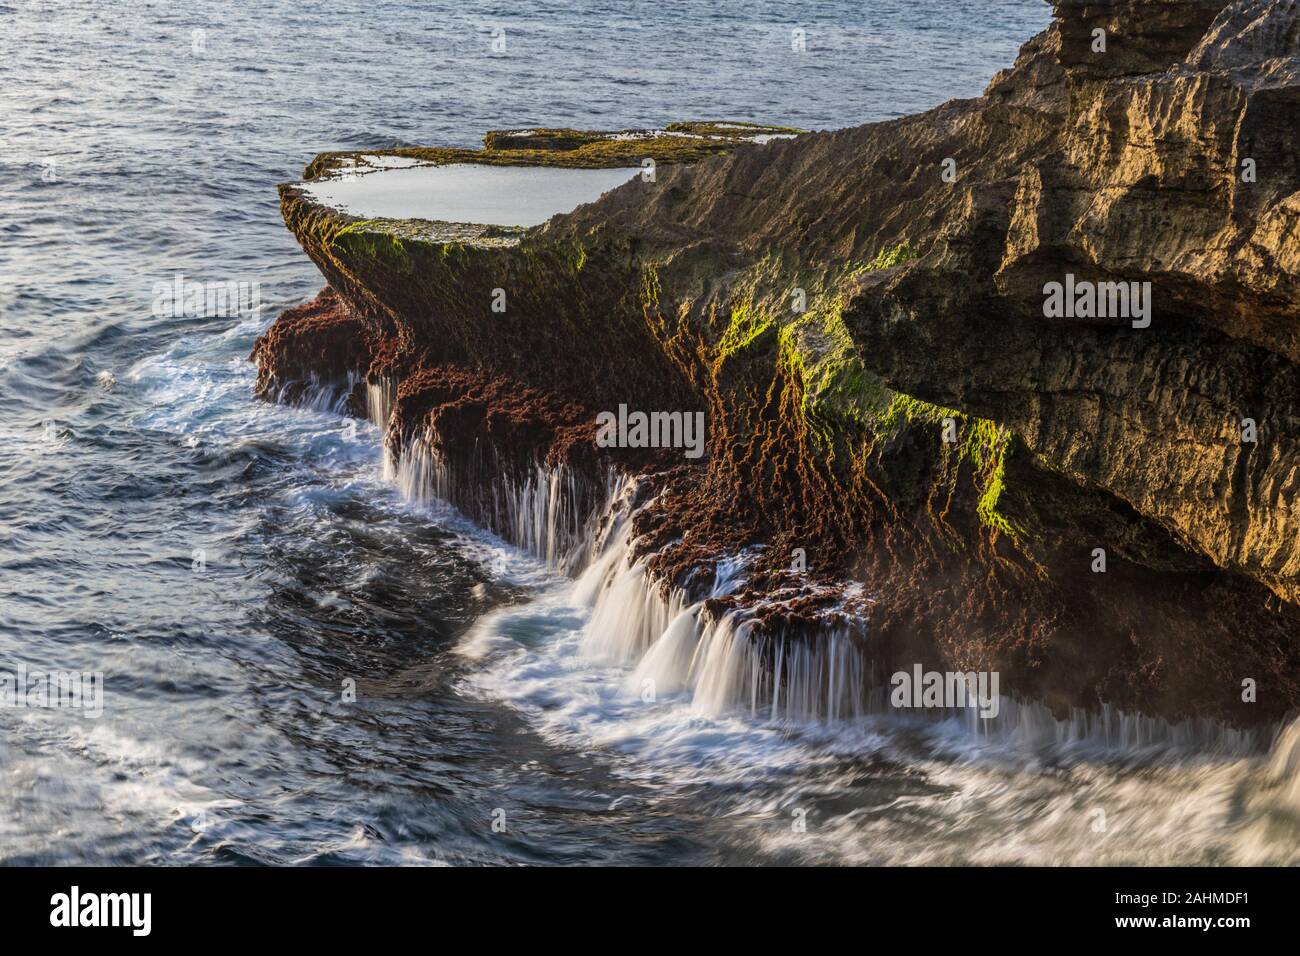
(1006, 386)
(1186, 177)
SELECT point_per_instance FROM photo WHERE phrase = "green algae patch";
(893, 256)
(363, 240)
(838, 390)
(978, 442)
(887, 258)
(840, 402)
(845, 406)
(994, 485)
(904, 411)
(838, 393)
(747, 327)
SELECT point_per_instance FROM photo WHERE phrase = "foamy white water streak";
(605, 657)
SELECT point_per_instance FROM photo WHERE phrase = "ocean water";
(229, 566)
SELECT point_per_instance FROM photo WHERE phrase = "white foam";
(542, 513)
(784, 725)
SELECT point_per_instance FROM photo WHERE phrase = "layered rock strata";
(863, 317)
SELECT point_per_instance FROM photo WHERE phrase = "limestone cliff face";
(1187, 177)
(861, 316)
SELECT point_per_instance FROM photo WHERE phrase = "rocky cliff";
(1099, 498)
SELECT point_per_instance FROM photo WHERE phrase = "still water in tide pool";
(227, 565)
(464, 192)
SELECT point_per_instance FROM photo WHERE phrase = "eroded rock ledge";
(923, 321)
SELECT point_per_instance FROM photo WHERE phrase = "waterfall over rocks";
(727, 663)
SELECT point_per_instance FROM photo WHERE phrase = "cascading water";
(542, 512)
(669, 645)
(330, 396)
(381, 397)
(608, 656)
(674, 645)
(666, 638)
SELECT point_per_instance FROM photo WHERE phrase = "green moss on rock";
(978, 442)
(747, 327)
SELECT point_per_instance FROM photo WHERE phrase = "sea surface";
(233, 567)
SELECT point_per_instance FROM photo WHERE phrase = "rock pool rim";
(680, 142)
(505, 197)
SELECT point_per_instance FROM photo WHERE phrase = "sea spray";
(726, 665)
(330, 396)
(381, 398)
(542, 509)
(674, 645)
(723, 663)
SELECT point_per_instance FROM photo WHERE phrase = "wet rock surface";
(860, 314)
